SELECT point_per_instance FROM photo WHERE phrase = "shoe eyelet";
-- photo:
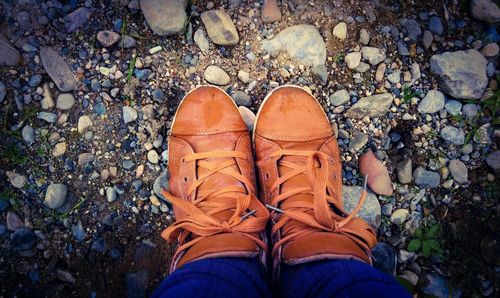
(186, 179)
(183, 160)
(330, 160)
(267, 176)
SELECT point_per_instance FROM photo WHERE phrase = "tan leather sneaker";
(212, 182)
(299, 167)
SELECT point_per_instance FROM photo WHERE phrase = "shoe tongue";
(298, 180)
(217, 181)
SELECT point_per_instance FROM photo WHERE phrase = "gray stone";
(17, 180)
(340, 31)
(370, 211)
(485, 10)
(415, 72)
(432, 102)
(58, 69)
(244, 76)
(373, 55)
(412, 28)
(129, 114)
(128, 42)
(364, 37)
(77, 18)
(165, 17)
(399, 216)
(462, 74)
(108, 38)
(201, 40)
(357, 142)
(28, 134)
(404, 169)
(362, 67)
(65, 101)
(14, 222)
(469, 111)
(453, 107)
(402, 49)
(9, 55)
(493, 160)
(458, 171)
(339, 98)
(352, 59)
(394, 77)
(55, 196)
(48, 117)
(220, 28)
(84, 122)
(111, 194)
(427, 39)
(302, 43)
(320, 72)
(372, 106)
(241, 98)
(160, 184)
(85, 158)
(490, 50)
(59, 149)
(453, 135)
(216, 75)
(424, 178)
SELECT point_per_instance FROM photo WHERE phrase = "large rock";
(493, 160)
(424, 178)
(55, 195)
(370, 211)
(372, 106)
(432, 102)
(220, 27)
(165, 17)
(8, 54)
(58, 69)
(485, 10)
(76, 19)
(302, 43)
(216, 75)
(462, 74)
(374, 56)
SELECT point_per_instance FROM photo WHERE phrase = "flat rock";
(55, 196)
(340, 31)
(302, 43)
(485, 10)
(379, 180)
(65, 101)
(108, 38)
(339, 98)
(248, 117)
(370, 211)
(461, 74)
(352, 59)
(84, 122)
(216, 75)
(9, 55)
(220, 28)
(424, 178)
(58, 69)
(358, 141)
(129, 114)
(77, 18)
(374, 56)
(493, 160)
(458, 171)
(201, 40)
(432, 102)
(17, 180)
(165, 17)
(404, 170)
(453, 135)
(372, 106)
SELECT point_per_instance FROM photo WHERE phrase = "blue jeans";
(242, 277)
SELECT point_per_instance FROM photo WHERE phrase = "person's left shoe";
(212, 182)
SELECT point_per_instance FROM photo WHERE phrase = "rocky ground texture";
(88, 90)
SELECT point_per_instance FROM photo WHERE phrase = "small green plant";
(13, 154)
(131, 66)
(427, 241)
(339, 57)
(77, 206)
(408, 94)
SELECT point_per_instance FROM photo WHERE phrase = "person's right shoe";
(299, 168)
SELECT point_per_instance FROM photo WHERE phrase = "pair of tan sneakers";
(221, 211)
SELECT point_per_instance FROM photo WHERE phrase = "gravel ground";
(88, 90)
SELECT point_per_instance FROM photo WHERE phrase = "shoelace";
(200, 220)
(324, 194)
